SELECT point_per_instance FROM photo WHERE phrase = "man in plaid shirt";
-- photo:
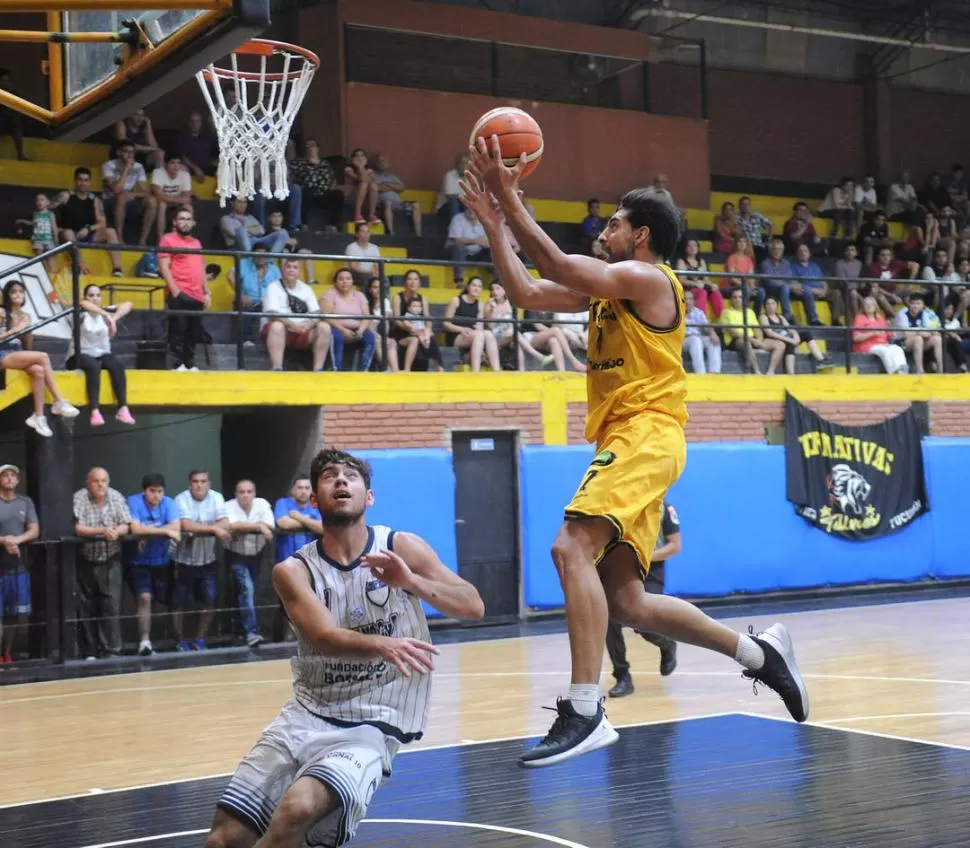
(204, 524)
(101, 518)
(756, 227)
(251, 524)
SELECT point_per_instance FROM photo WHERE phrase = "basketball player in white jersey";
(361, 677)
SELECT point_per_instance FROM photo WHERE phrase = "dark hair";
(149, 481)
(360, 224)
(917, 295)
(332, 456)
(743, 198)
(657, 213)
(879, 212)
(88, 288)
(355, 151)
(956, 167)
(195, 471)
(845, 180)
(172, 157)
(779, 239)
(339, 271)
(590, 202)
(373, 301)
(798, 205)
(472, 280)
(82, 171)
(121, 145)
(7, 303)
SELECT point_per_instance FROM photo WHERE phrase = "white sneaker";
(145, 648)
(65, 409)
(194, 368)
(180, 368)
(38, 423)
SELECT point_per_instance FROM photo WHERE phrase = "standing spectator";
(592, 225)
(98, 327)
(362, 247)
(204, 523)
(901, 203)
(668, 545)
(157, 529)
(11, 122)
(243, 232)
(251, 523)
(447, 204)
(755, 226)
(256, 273)
(810, 287)
(849, 268)
(172, 189)
(379, 306)
(319, 182)
(956, 187)
(920, 341)
(700, 338)
(873, 236)
(872, 336)
(18, 525)
(726, 228)
(839, 206)
(136, 130)
(298, 518)
(355, 333)
(198, 148)
(43, 232)
(126, 191)
(389, 188)
(466, 240)
(80, 216)
(101, 517)
(936, 199)
(464, 328)
(188, 289)
(700, 286)
(360, 188)
(292, 296)
(779, 286)
(800, 230)
(864, 200)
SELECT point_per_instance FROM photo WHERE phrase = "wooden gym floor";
(704, 761)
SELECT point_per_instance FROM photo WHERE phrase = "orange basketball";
(517, 133)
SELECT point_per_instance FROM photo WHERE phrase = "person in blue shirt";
(297, 518)
(811, 286)
(255, 274)
(156, 527)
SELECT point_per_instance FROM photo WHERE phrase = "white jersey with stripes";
(373, 691)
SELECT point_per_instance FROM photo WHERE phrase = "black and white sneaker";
(571, 734)
(780, 671)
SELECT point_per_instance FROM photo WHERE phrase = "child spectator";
(426, 350)
(44, 234)
(242, 231)
(360, 188)
(953, 341)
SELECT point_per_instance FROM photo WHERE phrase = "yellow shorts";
(636, 462)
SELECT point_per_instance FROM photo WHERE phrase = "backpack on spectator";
(147, 266)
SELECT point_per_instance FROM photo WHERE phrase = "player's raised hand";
(407, 654)
(486, 163)
(474, 197)
(390, 568)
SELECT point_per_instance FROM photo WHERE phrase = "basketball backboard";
(107, 58)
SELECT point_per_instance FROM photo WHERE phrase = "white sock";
(749, 653)
(585, 698)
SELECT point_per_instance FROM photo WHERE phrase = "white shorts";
(352, 761)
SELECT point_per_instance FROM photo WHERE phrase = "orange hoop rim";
(266, 47)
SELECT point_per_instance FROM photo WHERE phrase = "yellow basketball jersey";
(633, 368)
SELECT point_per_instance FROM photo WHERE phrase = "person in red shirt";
(885, 269)
(188, 289)
(799, 230)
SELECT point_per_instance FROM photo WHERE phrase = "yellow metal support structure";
(38, 36)
(112, 5)
(55, 65)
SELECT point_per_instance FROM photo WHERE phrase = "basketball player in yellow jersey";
(637, 408)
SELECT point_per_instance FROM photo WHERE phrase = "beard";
(341, 517)
(620, 255)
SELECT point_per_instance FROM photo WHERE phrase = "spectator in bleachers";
(702, 287)
(360, 190)
(755, 226)
(940, 270)
(407, 333)
(18, 526)
(500, 307)
(380, 307)
(811, 286)
(292, 295)
(298, 518)
(901, 203)
(658, 188)
(156, 526)
(447, 204)
(293, 204)
(126, 191)
(101, 518)
(251, 523)
(779, 269)
(172, 189)
(592, 225)
(959, 293)
(348, 335)
(936, 199)
(839, 206)
(198, 148)
(574, 329)
(43, 229)
(389, 188)
(953, 340)
(11, 121)
(776, 327)
(362, 248)
(700, 338)
(187, 289)
(80, 215)
(320, 188)
(726, 228)
(921, 342)
(242, 231)
(35, 363)
(98, 327)
(872, 336)
(465, 330)
(274, 226)
(136, 130)
(956, 187)
(799, 230)
(741, 261)
(922, 239)
(735, 315)
(849, 268)
(256, 273)
(873, 236)
(886, 268)
(466, 240)
(864, 200)
(545, 336)
(204, 523)
(426, 351)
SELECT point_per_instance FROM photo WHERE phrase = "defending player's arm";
(312, 618)
(670, 527)
(522, 288)
(414, 567)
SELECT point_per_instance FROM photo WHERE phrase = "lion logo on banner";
(848, 489)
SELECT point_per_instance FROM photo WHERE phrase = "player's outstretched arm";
(312, 618)
(522, 288)
(414, 567)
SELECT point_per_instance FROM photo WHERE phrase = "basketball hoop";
(253, 129)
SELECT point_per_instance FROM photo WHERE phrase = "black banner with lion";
(855, 483)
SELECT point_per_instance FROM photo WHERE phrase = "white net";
(253, 112)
